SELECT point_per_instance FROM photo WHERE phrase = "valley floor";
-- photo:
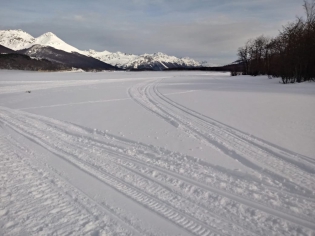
(155, 153)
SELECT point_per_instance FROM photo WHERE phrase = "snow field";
(64, 178)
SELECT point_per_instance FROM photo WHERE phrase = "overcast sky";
(209, 30)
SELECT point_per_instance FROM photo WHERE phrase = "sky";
(210, 30)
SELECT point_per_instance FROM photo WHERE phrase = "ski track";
(34, 201)
(275, 198)
(296, 175)
(250, 151)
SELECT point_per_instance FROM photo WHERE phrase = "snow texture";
(120, 153)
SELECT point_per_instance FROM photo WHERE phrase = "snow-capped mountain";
(71, 59)
(118, 59)
(159, 61)
(155, 61)
(18, 39)
(13, 60)
(49, 39)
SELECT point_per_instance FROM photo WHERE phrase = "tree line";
(290, 55)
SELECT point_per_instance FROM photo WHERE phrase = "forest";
(290, 55)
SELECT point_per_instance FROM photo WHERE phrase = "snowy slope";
(145, 61)
(72, 59)
(160, 60)
(49, 39)
(18, 39)
(118, 59)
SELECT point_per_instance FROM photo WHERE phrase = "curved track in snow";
(283, 171)
(191, 196)
(287, 167)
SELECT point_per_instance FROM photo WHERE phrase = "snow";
(155, 153)
(50, 39)
(162, 58)
(18, 39)
(118, 59)
(127, 61)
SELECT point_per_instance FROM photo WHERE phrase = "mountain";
(71, 59)
(160, 61)
(118, 59)
(18, 39)
(155, 61)
(49, 39)
(5, 50)
(12, 60)
(15, 61)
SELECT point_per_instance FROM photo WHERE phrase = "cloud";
(205, 29)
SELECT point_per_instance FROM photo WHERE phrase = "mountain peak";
(14, 32)
(48, 35)
(18, 39)
(15, 39)
(50, 39)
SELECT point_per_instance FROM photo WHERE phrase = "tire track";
(112, 177)
(305, 163)
(39, 204)
(128, 176)
(256, 158)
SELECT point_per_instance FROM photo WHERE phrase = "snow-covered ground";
(155, 153)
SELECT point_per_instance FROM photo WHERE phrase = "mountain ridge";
(73, 59)
(18, 40)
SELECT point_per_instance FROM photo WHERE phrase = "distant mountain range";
(12, 60)
(49, 46)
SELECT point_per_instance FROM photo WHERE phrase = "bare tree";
(309, 8)
(244, 57)
(290, 55)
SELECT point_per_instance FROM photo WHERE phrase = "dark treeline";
(290, 55)
(15, 61)
(237, 67)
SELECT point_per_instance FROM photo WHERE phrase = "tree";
(244, 57)
(290, 55)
